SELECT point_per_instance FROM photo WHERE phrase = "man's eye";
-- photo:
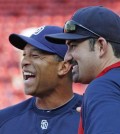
(35, 55)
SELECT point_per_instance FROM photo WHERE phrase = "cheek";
(76, 53)
(47, 72)
(47, 78)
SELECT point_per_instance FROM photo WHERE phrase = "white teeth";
(27, 73)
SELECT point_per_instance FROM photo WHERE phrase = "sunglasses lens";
(69, 27)
(74, 27)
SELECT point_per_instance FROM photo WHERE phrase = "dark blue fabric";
(99, 19)
(25, 118)
(37, 39)
(101, 105)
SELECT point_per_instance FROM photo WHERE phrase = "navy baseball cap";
(37, 39)
(88, 22)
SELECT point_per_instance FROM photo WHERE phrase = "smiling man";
(47, 78)
(93, 39)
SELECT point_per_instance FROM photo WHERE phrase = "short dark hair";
(92, 43)
(115, 46)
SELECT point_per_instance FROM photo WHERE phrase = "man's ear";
(63, 68)
(102, 46)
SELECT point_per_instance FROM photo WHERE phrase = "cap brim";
(60, 38)
(20, 41)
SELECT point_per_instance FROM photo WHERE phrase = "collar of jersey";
(115, 65)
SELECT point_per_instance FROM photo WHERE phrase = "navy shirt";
(26, 118)
(101, 104)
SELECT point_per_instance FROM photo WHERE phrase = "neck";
(54, 100)
(53, 108)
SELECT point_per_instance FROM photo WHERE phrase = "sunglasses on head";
(72, 27)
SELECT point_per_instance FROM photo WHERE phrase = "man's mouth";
(28, 75)
(74, 67)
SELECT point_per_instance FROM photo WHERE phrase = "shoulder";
(15, 110)
(104, 87)
(107, 82)
(111, 76)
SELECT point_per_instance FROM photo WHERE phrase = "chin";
(29, 92)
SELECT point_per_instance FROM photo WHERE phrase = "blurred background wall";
(17, 15)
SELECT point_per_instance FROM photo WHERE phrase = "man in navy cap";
(48, 78)
(93, 39)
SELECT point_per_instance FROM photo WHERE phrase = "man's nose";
(25, 61)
